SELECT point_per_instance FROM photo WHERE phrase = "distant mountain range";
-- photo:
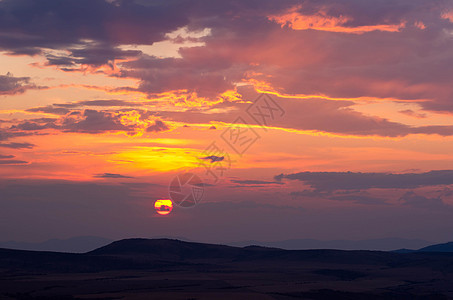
(79, 244)
(446, 247)
(387, 244)
(84, 244)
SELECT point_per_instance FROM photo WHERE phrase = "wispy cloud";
(111, 175)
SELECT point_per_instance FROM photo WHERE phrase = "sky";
(303, 119)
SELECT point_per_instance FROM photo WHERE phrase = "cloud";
(322, 21)
(311, 114)
(255, 182)
(448, 15)
(157, 126)
(360, 199)
(91, 121)
(10, 85)
(6, 160)
(111, 175)
(411, 113)
(412, 199)
(248, 44)
(17, 145)
(213, 158)
(108, 102)
(12, 162)
(207, 78)
(392, 57)
(6, 134)
(35, 124)
(87, 121)
(332, 181)
(49, 110)
(60, 25)
(93, 55)
(354, 196)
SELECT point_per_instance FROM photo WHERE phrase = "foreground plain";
(172, 269)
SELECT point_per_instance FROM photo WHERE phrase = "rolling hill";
(173, 269)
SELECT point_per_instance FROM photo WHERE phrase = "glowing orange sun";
(163, 206)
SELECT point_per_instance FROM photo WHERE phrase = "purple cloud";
(10, 85)
(17, 145)
(332, 181)
(111, 175)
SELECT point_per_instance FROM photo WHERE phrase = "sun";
(163, 206)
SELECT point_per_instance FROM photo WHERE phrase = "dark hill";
(152, 253)
(167, 249)
(169, 269)
(447, 247)
(176, 250)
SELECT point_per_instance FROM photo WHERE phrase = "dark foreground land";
(171, 269)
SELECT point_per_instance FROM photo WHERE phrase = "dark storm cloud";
(111, 175)
(332, 181)
(6, 156)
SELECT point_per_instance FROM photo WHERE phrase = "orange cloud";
(448, 15)
(324, 22)
(420, 25)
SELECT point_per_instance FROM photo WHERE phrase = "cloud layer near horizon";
(332, 181)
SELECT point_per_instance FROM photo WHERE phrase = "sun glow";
(163, 206)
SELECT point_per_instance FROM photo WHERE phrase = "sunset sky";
(104, 102)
